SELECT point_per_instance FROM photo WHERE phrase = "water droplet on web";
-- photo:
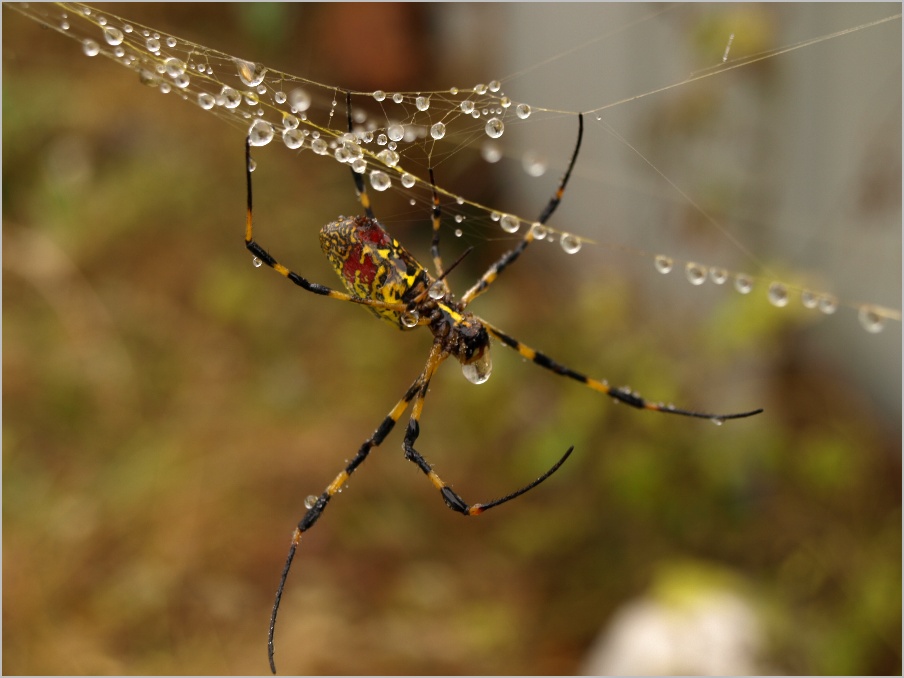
(230, 98)
(112, 35)
(490, 151)
(289, 121)
(180, 81)
(90, 47)
(696, 274)
(495, 85)
(458, 232)
(293, 138)
(509, 223)
(174, 67)
(437, 290)
(871, 320)
(778, 295)
(153, 45)
(395, 132)
(718, 275)
(280, 97)
(480, 89)
(359, 165)
(717, 421)
(379, 95)
(438, 130)
(467, 106)
(663, 263)
(171, 42)
(459, 218)
(310, 501)
(570, 243)
(250, 73)
(494, 128)
(743, 283)
(808, 299)
(534, 165)
(206, 101)
(409, 318)
(522, 111)
(320, 147)
(256, 262)
(260, 133)
(538, 230)
(398, 98)
(828, 304)
(408, 180)
(380, 180)
(299, 100)
(388, 157)
(64, 25)
(422, 103)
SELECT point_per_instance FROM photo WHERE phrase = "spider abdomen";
(373, 265)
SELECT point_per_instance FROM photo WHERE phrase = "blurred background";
(168, 407)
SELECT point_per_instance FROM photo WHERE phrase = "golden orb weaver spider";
(381, 275)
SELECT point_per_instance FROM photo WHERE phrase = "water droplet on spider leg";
(90, 48)
(663, 263)
(437, 290)
(778, 295)
(871, 320)
(479, 371)
(494, 128)
(250, 73)
(409, 319)
(256, 261)
(310, 501)
(696, 274)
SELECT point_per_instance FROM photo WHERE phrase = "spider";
(382, 276)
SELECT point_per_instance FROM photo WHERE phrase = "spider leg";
(434, 245)
(509, 257)
(623, 395)
(452, 499)
(363, 198)
(299, 280)
(313, 513)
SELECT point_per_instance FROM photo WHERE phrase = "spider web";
(397, 135)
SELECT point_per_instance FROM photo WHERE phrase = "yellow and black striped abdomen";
(372, 264)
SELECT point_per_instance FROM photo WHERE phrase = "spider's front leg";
(452, 499)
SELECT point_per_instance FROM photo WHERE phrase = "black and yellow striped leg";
(313, 513)
(509, 257)
(434, 245)
(452, 499)
(299, 280)
(623, 395)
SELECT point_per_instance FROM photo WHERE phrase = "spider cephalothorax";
(384, 277)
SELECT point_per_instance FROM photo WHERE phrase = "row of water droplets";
(265, 103)
(872, 318)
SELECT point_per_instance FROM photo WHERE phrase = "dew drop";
(828, 304)
(359, 165)
(250, 73)
(299, 100)
(509, 223)
(522, 111)
(388, 157)
(570, 243)
(534, 165)
(380, 180)
(280, 97)
(206, 101)
(289, 121)
(257, 262)
(230, 97)
(408, 180)
(458, 232)
(538, 230)
(409, 319)
(718, 275)
(871, 320)
(437, 290)
(379, 95)
(320, 147)
(696, 274)
(310, 502)
(174, 67)
(467, 106)
(438, 130)
(743, 283)
(64, 25)
(171, 42)
(395, 132)
(90, 47)
(809, 299)
(491, 152)
(479, 371)
(293, 138)
(397, 97)
(663, 263)
(495, 216)
(480, 89)
(153, 45)
(778, 295)
(112, 35)
(505, 102)
(422, 103)
(260, 133)
(495, 85)
(494, 128)
(717, 421)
